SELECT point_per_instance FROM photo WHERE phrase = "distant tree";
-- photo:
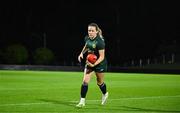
(167, 49)
(43, 56)
(15, 54)
(168, 52)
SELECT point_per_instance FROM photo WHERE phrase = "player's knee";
(99, 83)
(85, 83)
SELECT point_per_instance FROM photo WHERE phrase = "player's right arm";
(82, 52)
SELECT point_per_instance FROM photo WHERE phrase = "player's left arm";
(101, 57)
(101, 50)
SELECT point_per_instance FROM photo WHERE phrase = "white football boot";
(104, 98)
(81, 103)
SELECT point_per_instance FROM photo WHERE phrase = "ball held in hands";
(91, 58)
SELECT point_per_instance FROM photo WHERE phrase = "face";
(92, 32)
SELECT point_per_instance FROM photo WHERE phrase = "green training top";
(94, 45)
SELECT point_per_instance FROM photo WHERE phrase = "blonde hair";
(97, 28)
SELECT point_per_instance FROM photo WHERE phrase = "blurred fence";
(169, 69)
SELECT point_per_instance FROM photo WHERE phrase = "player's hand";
(90, 64)
(80, 57)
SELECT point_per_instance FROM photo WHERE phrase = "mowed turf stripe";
(136, 98)
(131, 98)
(24, 104)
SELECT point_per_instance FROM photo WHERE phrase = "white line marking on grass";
(24, 104)
(136, 98)
(14, 89)
(130, 98)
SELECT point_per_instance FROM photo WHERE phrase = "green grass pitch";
(59, 92)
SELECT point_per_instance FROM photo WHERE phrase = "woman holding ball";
(94, 44)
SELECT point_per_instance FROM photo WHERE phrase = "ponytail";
(100, 32)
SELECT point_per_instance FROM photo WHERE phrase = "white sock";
(82, 100)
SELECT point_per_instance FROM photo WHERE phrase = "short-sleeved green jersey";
(94, 45)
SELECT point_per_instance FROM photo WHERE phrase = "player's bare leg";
(84, 87)
(102, 86)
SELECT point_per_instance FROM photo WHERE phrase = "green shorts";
(102, 67)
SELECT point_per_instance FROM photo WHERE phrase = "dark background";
(133, 29)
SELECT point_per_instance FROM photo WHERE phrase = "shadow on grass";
(66, 103)
(147, 110)
(107, 108)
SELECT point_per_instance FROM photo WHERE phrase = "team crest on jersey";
(94, 45)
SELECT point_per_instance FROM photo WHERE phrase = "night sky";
(132, 29)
